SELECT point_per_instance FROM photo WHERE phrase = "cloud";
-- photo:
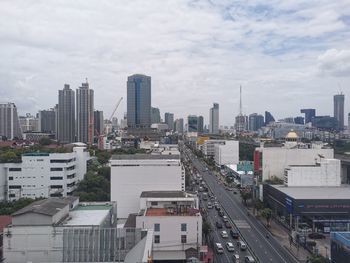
(335, 63)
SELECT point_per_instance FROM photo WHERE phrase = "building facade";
(256, 121)
(208, 148)
(179, 124)
(85, 114)
(66, 115)
(192, 123)
(227, 153)
(309, 114)
(169, 119)
(268, 118)
(338, 101)
(47, 121)
(155, 115)
(99, 122)
(200, 123)
(9, 122)
(139, 101)
(214, 119)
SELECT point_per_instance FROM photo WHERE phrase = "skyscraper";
(85, 114)
(192, 123)
(98, 121)
(200, 124)
(155, 115)
(255, 122)
(139, 101)
(66, 115)
(309, 114)
(9, 122)
(179, 126)
(169, 119)
(214, 119)
(299, 120)
(338, 101)
(268, 118)
(47, 121)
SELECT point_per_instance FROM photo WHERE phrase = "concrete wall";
(128, 182)
(325, 174)
(275, 159)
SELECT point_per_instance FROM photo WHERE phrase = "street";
(252, 231)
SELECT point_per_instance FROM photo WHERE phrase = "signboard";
(245, 166)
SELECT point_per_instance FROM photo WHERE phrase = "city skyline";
(305, 62)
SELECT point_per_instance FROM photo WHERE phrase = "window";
(154, 203)
(183, 227)
(56, 186)
(183, 239)
(70, 176)
(157, 239)
(15, 187)
(10, 177)
(71, 168)
(15, 169)
(71, 184)
(61, 161)
(12, 195)
(55, 169)
(157, 227)
(56, 178)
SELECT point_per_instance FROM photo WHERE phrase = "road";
(266, 250)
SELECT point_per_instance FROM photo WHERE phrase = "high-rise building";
(338, 101)
(179, 124)
(349, 122)
(47, 121)
(9, 122)
(85, 114)
(139, 101)
(268, 118)
(169, 119)
(327, 123)
(309, 114)
(192, 123)
(241, 123)
(214, 119)
(256, 121)
(200, 124)
(98, 121)
(155, 115)
(299, 120)
(29, 123)
(66, 115)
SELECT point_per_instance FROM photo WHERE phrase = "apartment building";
(227, 153)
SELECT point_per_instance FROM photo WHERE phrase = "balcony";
(172, 211)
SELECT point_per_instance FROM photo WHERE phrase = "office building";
(179, 124)
(176, 222)
(309, 114)
(98, 121)
(192, 123)
(208, 147)
(214, 119)
(42, 175)
(29, 123)
(256, 121)
(227, 153)
(47, 121)
(9, 121)
(268, 118)
(200, 123)
(66, 115)
(340, 247)
(85, 114)
(326, 123)
(299, 120)
(139, 101)
(241, 123)
(133, 174)
(338, 101)
(155, 115)
(169, 119)
(349, 122)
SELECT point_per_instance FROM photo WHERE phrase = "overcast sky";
(286, 54)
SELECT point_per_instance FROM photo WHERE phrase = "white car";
(225, 219)
(224, 234)
(230, 247)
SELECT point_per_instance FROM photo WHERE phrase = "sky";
(286, 54)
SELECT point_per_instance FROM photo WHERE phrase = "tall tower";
(85, 114)
(338, 101)
(139, 101)
(169, 119)
(214, 119)
(66, 115)
(9, 121)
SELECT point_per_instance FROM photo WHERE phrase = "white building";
(326, 172)
(44, 174)
(133, 174)
(208, 148)
(275, 159)
(175, 220)
(227, 153)
(64, 230)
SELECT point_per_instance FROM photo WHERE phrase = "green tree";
(258, 205)
(267, 214)
(103, 157)
(8, 157)
(206, 228)
(318, 259)
(8, 208)
(246, 196)
(45, 141)
(105, 172)
(93, 188)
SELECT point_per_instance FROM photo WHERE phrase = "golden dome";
(292, 135)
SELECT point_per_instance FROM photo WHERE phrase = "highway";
(266, 250)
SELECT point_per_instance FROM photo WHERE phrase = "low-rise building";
(209, 147)
(133, 174)
(227, 153)
(176, 222)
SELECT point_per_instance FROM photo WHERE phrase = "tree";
(8, 208)
(45, 141)
(93, 188)
(246, 196)
(9, 156)
(267, 214)
(318, 259)
(105, 172)
(206, 228)
(258, 205)
(103, 157)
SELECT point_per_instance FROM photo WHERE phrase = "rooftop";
(171, 212)
(131, 221)
(313, 192)
(88, 215)
(145, 157)
(162, 194)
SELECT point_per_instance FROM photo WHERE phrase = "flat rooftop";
(145, 157)
(313, 192)
(170, 212)
(89, 215)
(163, 194)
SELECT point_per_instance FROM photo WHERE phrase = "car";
(316, 236)
(234, 234)
(236, 258)
(218, 225)
(225, 218)
(249, 259)
(206, 168)
(230, 247)
(235, 192)
(224, 234)
(241, 245)
(221, 213)
(212, 198)
(209, 205)
(219, 248)
(217, 207)
(228, 225)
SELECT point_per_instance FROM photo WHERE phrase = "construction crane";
(100, 136)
